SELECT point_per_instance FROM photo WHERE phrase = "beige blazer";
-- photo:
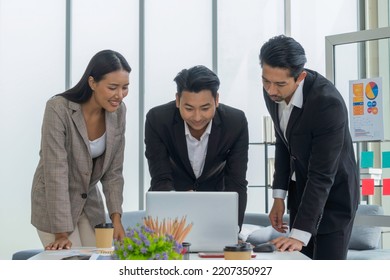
(65, 181)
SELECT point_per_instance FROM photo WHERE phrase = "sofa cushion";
(366, 237)
(26, 254)
(377, 254)
(258, 234)
(263, 235)
(130, 218)
(246, 230)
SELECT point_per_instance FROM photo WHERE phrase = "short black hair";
(283, 52)
(196, 79)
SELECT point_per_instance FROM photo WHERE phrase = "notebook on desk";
(214, 216)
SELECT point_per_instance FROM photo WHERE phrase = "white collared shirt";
(197, 149)
(284, 111)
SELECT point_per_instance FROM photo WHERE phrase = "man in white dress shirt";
(196, 143)
(314, 157)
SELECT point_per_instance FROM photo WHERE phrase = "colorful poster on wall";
(366, 109)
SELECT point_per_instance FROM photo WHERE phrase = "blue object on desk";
(105, 258)
(25, 254)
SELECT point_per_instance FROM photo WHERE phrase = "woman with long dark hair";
(82, 144)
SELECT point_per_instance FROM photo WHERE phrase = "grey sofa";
(365, 243)
(366, 238)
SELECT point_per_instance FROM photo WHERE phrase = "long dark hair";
(102, 63)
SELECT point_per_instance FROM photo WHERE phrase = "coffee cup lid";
(238, 247)
(104, 225)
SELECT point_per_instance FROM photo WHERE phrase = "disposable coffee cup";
(104, 234)
(186, 250)
(242, 251)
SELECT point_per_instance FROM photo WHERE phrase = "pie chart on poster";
(371, 90)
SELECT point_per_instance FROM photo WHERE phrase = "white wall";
(98, 25)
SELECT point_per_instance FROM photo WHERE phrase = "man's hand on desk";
(276, 216)
(287, 244)
(61, 242)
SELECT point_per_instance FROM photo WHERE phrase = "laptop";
(214, 216)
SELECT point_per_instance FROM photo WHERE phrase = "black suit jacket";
(319, 149)
(226, 160)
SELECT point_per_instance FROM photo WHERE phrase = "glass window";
(177, 36)
(243, 26)
(32, 69)
(113, 24)
(311, 21)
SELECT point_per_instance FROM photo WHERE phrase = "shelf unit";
(267, 181)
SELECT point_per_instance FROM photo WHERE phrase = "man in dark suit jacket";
(314, 156)
(195, 143)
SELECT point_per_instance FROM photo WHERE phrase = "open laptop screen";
(214, 216)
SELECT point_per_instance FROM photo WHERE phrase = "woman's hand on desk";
(61, 242)
(119, 232)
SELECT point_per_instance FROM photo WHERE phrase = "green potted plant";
(153, 241)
